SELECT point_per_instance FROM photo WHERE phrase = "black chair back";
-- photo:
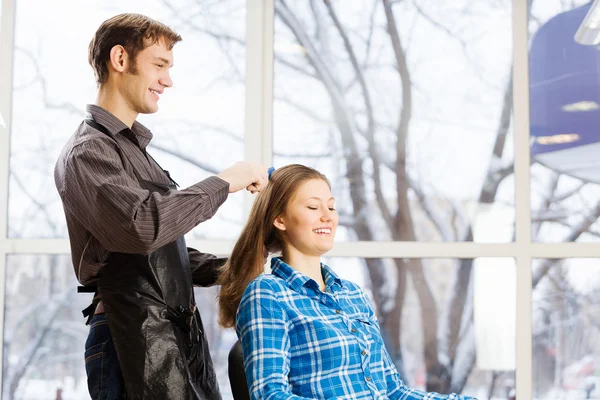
(237, 374)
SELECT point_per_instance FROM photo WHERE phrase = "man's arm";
(205, 267)
(123, 216)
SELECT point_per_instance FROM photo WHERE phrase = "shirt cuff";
(216, 189)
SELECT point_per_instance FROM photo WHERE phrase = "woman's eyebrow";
(318, 198)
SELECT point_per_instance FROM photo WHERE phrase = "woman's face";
(310, 220)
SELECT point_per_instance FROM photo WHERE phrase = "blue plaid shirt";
(302, 343)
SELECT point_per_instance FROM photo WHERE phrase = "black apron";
(151, 312)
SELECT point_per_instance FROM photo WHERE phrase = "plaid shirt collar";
(298, 281)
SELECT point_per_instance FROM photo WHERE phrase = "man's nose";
(166, 81)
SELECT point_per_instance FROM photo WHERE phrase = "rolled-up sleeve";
(205, 267)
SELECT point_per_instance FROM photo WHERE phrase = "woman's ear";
(279, 224)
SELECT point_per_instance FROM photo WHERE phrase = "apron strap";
(182, 317)
(99, 127)
(131, 137)
(86, 289)
(88, 312)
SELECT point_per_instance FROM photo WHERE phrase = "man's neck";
(111, 100)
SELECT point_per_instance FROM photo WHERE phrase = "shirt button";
(364, 352)
(338, 311)
(353, 330)
(368, 379)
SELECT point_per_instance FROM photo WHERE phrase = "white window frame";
(258, 147)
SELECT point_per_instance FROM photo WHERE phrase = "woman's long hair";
(247, 259)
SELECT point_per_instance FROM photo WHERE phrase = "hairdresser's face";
(310, 220)
(147, 77)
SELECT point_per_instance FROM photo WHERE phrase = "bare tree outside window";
(197, 132)
(407, 108)
(566, 332)
(406, 105)
(43, 330)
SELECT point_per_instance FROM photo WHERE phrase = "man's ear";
(118, 58)
(279, 224)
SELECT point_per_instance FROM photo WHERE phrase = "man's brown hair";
(134, 32)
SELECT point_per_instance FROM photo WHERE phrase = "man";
(126, 223)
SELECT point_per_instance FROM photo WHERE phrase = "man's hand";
(243, 174)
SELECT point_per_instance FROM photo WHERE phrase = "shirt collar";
(114, 125)
(330, 277)
(297, 280)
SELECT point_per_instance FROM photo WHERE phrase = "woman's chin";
(322, 250)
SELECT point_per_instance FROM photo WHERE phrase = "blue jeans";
(105, 381)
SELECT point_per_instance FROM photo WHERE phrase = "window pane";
(198, 130)
(408, 110)
(464, 309)
(440, 304)
(564, 113)
(45, 333)
(566, 332)
(220, 340)
(448, 314)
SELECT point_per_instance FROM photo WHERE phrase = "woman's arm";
(396, 387)
(398, 390)
(262, 328)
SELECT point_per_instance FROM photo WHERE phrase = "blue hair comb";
(270, 171)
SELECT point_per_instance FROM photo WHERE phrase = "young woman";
(305, 332)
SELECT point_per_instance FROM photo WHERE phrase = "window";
(44, 331)
(440, 176)
(564, 109)
(566, 333)
(198, 132)
(417, 149)
(449, 324)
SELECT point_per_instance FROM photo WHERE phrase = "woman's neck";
(307, 265)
